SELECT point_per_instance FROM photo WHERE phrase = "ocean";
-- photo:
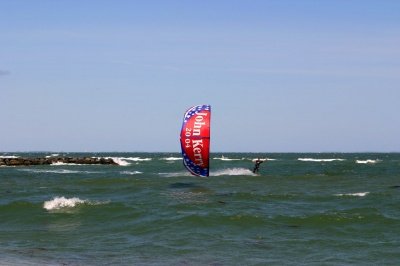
(301, 209)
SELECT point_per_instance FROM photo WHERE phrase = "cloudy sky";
(281, 76)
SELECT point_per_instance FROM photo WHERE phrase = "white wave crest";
(176, 174)
(58, 171)
(130, 172)
(233, 172)
(223, 158)
(319, 160)
(61, 163)
(136, 159)
(8, 157)
(367, 161)
(58, 203)
(52, 155)
(119, 161)
(262, 159)
(171, 159)
(359, 194)
(123, 161)
(62, 202)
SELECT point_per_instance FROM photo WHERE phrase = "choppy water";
(314, 209)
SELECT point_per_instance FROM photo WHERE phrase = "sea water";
(300, 209)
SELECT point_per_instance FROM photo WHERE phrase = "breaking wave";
(262, 159)
(130, 172)
(359, 194)
(223, 158)
(319, 160)
(8, 157)
(367, 161)
(171, 159)
(61, 163)
(58, 203)
(222, 172)
(52, 155)
(176, 174)
(123, 161)
(58, 171)
(232, 172)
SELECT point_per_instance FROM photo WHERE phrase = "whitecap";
(61, 163)
(136, 159)
(176, 174)
(171, 159)
(58, 203)
(119, 161)
(223, 158)
(130, 172)
(123, 161)
(319, 160)
(52, 155)
(58, 171)
(367, 161)
(9, 156)
(232, 172)
(359, 194)
(262, 159)
(62, 202)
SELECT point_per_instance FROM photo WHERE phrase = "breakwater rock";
(55, 160)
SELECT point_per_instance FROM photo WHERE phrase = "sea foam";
(262, 159)
(359, 194)
(171, 159)
(223, 158)
(8, 157)
(58, 203)
(61, 163)
(123, 161)
(58, 171)
(53, 155)
(319, 160)
(367, 161)
(221, 172)
(232, 172)
(130, 172)
(62, 202)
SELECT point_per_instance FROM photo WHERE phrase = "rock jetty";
(54, 160)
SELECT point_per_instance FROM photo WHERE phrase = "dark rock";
(46, 161)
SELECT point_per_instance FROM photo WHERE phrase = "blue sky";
(281, 76)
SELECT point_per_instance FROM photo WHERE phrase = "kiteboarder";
(257, 165)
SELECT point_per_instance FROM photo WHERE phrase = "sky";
(280, 75)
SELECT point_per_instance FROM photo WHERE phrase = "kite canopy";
(195, 139)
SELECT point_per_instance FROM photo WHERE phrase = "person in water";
(257, 165)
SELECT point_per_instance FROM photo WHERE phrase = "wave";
(223, 158)
(171, 159)
(262, 159)
(319, 160)
(176, 174)
(123, 161)
(59, 171)
(61, 163)
(367, 161)
(232, 172)
(58, 203)
(9, 156)
(62, 202)
(222, 172)
(359, 194)
(130, 172)
(53, 155)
